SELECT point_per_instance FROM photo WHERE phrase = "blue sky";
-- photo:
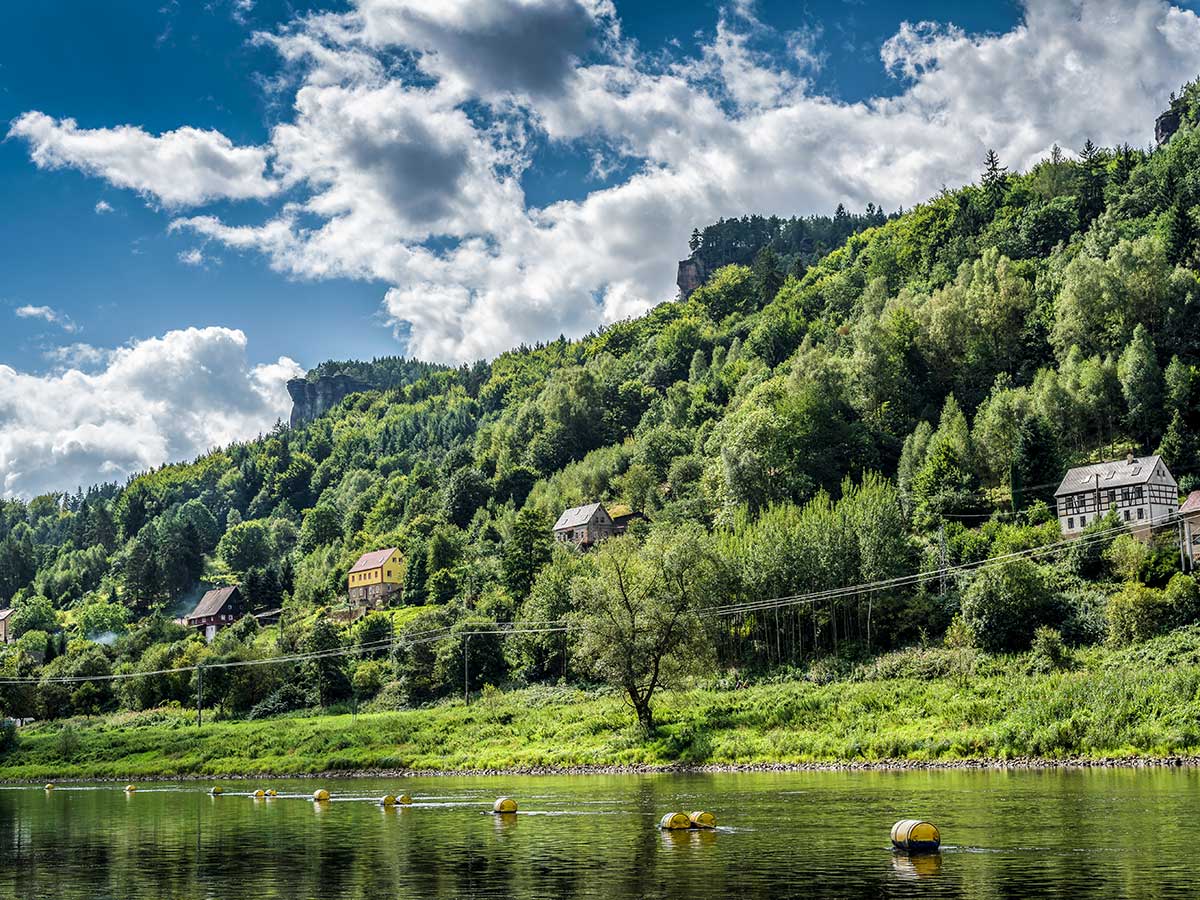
(205, 198)
(118, 275)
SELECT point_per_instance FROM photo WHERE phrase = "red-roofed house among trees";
(375, 578)
(216, 609)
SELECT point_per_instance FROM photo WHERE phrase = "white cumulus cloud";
(156, 400)
(184, 167)
(412, 176)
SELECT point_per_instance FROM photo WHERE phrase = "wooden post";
(199, 696)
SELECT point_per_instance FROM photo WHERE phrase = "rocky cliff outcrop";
(1167, 124)
(691, 275)
(315, 398)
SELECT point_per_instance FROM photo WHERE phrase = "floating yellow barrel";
(702, 820)
(260, 793)
(50, 785)
(130, 788)
(216, 790)
(271, 792)
(675, 821)
(915, 836)
(404, 799)
(387, 800)
(505, 805)
(320, 795)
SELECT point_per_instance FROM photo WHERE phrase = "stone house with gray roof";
(584, 526)
(1140, 488)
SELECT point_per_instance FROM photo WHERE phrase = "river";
(1098, 833)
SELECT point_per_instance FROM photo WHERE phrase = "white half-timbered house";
(1139, 488)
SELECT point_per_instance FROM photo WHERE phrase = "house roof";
(577, 515)
(5, 613)
(213, 602)
(1191, 504)
(1115, 473)
(372, 560)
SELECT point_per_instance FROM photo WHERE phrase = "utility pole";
(466, 682)
(199, 696)
(943, 559)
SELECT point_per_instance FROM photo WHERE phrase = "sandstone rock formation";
(1167, 124)
(690, 276)
(314, 398)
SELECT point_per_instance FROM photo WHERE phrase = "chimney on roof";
(1129, 458)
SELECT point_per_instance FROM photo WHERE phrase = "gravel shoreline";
(1024, 763)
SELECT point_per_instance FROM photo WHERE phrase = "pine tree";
(1142, 386)
(1181, 234)
(1091, 182)
(1178, 448)
(525, 552)
(995, 179)
(415, 574)
(766, 276)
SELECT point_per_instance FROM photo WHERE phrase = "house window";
(1071, 524)
(1126, 515)
(1082, 521)
(1141, 512)
(1124, 495)
(1137, 493)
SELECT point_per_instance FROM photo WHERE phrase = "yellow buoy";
(271, 792)
(702, 820)
(404, 799)
(387, 800)
(216, 790)
(260, 793)
(915, 836)
(505, 805)
(129, 788)
(50, 785)
(320, 795)
(675, 821)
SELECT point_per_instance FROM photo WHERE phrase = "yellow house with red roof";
(376, 577)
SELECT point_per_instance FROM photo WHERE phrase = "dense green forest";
(905, 403)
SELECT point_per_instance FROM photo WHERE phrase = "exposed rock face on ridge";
(315, 398)
(1166, 125)
(690, 276)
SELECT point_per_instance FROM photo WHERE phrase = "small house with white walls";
(1140, 489)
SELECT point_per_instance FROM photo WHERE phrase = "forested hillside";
(904, 404)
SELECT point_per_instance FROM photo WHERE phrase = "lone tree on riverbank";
(638, 614)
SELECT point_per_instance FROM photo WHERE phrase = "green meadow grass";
(1143, 701)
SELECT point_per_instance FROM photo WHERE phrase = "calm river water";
(1097, 834)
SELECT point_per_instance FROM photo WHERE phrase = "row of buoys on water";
(908, 835)
(677, 821)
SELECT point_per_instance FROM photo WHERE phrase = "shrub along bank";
(932, 704)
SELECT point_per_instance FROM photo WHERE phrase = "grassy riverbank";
(917, 705)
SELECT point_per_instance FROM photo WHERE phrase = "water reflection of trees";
(87, 844)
